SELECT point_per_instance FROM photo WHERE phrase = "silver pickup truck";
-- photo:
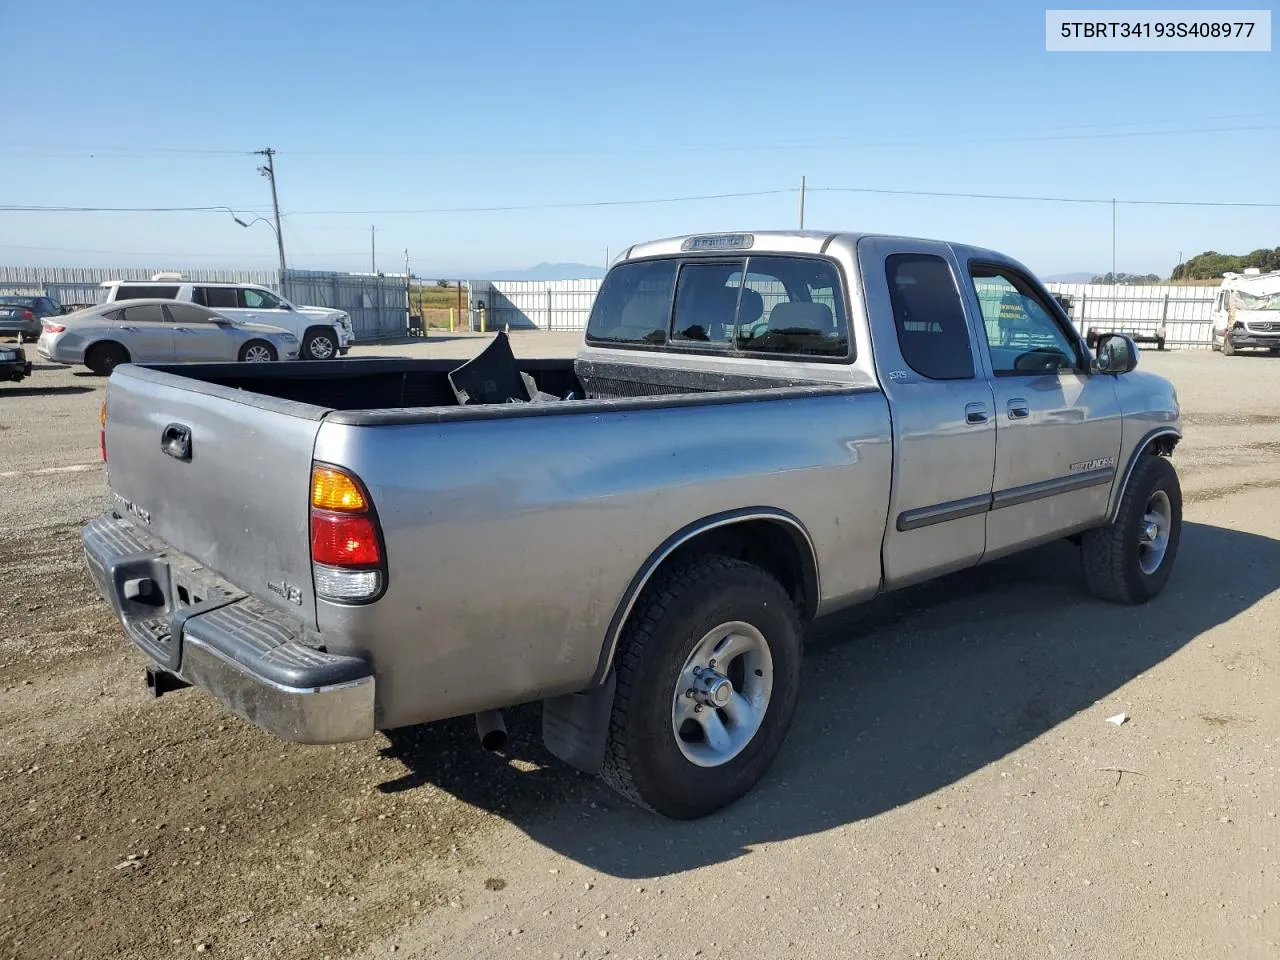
(759, 429)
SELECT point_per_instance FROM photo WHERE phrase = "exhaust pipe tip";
(492, 730)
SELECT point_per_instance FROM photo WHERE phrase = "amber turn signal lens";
(334, 490)
(102, 416)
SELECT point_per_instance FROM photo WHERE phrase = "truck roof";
(774, 241)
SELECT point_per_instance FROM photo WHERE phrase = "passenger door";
(941, 404)
(197, 335)
(1057, 424)
(145, 331)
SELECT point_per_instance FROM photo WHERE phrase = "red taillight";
(28, 315)
(102, 433)
(344, 540)
(347, 565)
(54, 327)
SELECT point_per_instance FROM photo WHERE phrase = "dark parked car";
(20, 315)
(14, 365)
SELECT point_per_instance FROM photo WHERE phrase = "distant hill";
(549, 271)
(1068, 278)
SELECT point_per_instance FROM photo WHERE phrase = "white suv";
(323, 333)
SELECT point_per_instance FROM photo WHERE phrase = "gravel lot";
(950, 787)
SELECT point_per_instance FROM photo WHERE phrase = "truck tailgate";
(220, 475)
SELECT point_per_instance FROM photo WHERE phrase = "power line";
(1045, 199)
(58, 208)
(852, 143)
(550, 206)
(587, 204)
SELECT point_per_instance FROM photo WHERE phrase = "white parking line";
(76, 468)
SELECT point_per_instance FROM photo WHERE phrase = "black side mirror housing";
(1116, 353)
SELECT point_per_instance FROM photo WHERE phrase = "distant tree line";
(1130, 278)
(1211, 265)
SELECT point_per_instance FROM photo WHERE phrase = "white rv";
(1246, 312)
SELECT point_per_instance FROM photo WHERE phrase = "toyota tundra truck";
(759, 429)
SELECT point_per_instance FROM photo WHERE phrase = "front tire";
(257, 351)
(1130, 559)
(730, 630)
(321, 344)
(1227, 349)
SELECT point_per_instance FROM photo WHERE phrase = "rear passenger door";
(145, 331)
(1057, 423)
(941, 403)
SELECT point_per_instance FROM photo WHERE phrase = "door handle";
(1019, 409)
(130, 329)
(975, 413)
(181, 330)
(175, 440)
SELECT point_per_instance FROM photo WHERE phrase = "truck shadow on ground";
(900, 698)
(43, 391)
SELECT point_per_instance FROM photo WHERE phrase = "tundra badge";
(286, 590)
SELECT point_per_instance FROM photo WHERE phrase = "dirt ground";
(950, 787)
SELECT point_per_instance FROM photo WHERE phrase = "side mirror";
(1116, 353)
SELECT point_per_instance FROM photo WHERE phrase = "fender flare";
(813, 583)
(1140, 450)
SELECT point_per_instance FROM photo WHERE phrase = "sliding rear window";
(634, 303)
(776, 305)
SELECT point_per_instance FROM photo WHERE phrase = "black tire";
(102, 358)
(1227, 349)
(257, 345)
(643, 761)
(320, 344)
(1111, 555)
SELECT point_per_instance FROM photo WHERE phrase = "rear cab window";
(769, 305)
(933, 333)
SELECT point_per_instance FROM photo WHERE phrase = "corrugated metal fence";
(1184, 312)
(83, 285)
(536, 304)
(376, 304)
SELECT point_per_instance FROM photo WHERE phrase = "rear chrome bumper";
(204, 631)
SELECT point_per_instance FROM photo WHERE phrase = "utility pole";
(1113, 241)
(269, 171)
(408, 304)
(801, 202)
(373, 250)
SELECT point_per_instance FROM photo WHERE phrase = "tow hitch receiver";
(160, 682)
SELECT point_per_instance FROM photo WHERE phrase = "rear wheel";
(321, 344)
(257, 351)
(708, 674)
(1130, 559)
(102, 358)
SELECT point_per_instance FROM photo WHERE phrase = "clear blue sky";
(450, 104)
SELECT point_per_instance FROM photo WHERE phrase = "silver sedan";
(158, 331)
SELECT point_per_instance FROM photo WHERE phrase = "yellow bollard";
(482, 321)
(452, 311)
